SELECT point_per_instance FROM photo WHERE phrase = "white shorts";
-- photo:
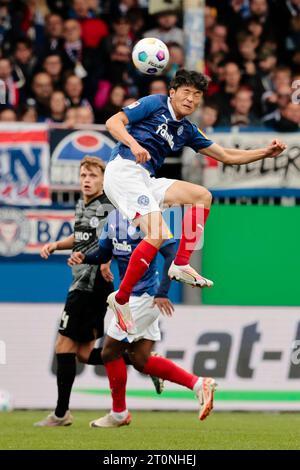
(145, 317)
(132, 190)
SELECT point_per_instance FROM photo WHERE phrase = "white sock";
(119, 415)
(198, 384)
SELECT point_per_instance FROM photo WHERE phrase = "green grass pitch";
(155, 431)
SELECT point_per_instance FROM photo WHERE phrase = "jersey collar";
(171, 110)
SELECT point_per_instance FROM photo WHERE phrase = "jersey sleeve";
(198, 140)
(105, 241)
(142, 108)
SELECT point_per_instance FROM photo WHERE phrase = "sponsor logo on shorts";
(143, 200)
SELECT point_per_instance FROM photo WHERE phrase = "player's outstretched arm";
(240, 156)
(98, 256)
(49, 248)
(116, 125)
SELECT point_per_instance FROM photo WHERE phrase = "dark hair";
(190, 78)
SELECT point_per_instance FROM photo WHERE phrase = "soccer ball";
(150, 56)
(6, 402)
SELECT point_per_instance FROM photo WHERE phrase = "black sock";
(127, 359)
(95, 358)
(66, 372)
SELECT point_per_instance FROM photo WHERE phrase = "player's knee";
(107, 354)
(138, 361)
(204, 197)
(82, 356)
(207, 198)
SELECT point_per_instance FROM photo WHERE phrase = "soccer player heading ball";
(158, 128)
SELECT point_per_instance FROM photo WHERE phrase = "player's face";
(185, 100)
(91, 182)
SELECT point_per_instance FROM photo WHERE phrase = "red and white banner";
(24, 164)
(25, 231)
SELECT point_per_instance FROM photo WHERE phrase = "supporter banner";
(270, 177)
(68, 147)
(24, 231)
(24, 164)
(254, 354)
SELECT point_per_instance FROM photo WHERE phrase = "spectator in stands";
(8, 115)
(12, 87)
(231, 84)
(137, 23)
(54, 41)
(53, 66)
(42, 89)
(209, 116)
(280, 99)
(158, 86)
(93, 29)
(241, 114)
(176, 60)
(114, 104)
(167, 30)
(24, 58)
(218, 40)
(84, 115)
(70, 117)
(281, 75)
(58, 106)
(247, 45)
(289, 120)
(74, 91)
(210, 19)
(76, 57)
(6, 30)
(28, 112)
(121, 35)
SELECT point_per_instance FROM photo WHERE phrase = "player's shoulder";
(154, 101)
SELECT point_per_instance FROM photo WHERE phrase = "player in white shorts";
(157, 128)
(147, 299)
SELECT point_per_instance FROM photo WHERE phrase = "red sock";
(192, 227)
(168, 370)
(137, 266)
(117, 376)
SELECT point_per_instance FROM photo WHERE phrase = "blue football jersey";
(122, 238)
(154, 126)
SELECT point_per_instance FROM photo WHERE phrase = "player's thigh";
(126, 186)
(139, 353)
(112, 349)
(154, 227)
(182, 192)
(65, 345)
(84, 350)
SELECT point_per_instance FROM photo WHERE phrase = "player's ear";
(171, 93)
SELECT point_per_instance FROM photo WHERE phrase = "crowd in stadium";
(70, 61)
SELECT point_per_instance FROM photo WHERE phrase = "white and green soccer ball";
(6, 401)
(150, 56)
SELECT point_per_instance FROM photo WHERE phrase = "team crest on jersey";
(180, 130)
(133, 105)
(94, 222)
(143, 200)
(14, 232)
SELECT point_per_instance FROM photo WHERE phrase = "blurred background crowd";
(69, 62)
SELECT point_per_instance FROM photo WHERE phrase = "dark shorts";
(83, 316)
